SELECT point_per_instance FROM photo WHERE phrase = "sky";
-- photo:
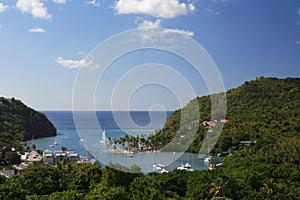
(46, 46)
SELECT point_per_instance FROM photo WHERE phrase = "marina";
(95, 141)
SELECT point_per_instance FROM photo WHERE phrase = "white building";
(34, 156)
(59, 156)
(72, 156)
(48, 157)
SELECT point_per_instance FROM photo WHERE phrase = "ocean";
(84, 135)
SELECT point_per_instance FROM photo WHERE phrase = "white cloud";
(60, 1)
(152, 31)
(192, 7)
(180, 31)
(73, 64)
(35, 7)
(155, 8)
(147, 24)
(209, 9)
(298, 11)
(3, 7)
(37, 30)
(298, 42)
(93, 3)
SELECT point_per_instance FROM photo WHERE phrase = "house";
(7, 173)
(59, 156)
(48, 157)
(72, 156)
(224, 121)
(24, 156)
(208, 123)
(20, 167)
(34, 156)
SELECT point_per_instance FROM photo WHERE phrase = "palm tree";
(268, 186)
(115, 143)
(215, 189)
(109, 142)
(142, 142)
(220, 187)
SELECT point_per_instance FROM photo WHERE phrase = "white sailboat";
(187, 166)
(103, 139)
(208, 158)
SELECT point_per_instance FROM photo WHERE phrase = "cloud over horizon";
(158, 8)
(35, 7)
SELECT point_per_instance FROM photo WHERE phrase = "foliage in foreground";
(243, 178)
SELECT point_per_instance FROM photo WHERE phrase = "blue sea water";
(88, 134)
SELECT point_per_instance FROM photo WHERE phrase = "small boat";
(55, 142)
(51, 145)
(220, 165)
(66, 137)
(186, 167)
(164, 171)
(158, 166)
(207, 159)
(212, 167)
(130, 155)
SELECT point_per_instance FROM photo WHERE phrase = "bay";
(116, 124)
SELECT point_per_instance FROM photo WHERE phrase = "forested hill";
(19, 122)
(265, 110)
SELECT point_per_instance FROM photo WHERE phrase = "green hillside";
(265, 110)
(19, 123)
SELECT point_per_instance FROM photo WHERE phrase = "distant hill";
(19, 122)
(265, 110)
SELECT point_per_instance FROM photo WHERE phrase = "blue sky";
(44, 43)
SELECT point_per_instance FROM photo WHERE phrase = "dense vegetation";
(265, 110)
(241, 179)
(19, 123)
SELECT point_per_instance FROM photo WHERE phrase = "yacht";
(213, 166)
(186, 167)
(160, 168)
(207, 159)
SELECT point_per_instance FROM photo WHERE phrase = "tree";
(12, 157)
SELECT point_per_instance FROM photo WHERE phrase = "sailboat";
(187, 166)
(208, 158)
(103, 139)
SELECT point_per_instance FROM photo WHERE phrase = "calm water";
(87, 136)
